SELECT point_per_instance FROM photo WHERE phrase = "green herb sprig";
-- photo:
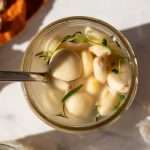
(46, 55)
(121, 97)
(77, 37)
(71, 92)
(114, 70)
(104, 42)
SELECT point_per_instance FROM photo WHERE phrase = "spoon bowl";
(56, 66)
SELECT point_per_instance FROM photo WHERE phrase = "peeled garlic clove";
(61, 85)
(94, 35)
(107, 102)
(93, 86)
(120, 81)
(100, 50)
(115, 82)
(66, 67)
(100, 69)
(87, 61)
(79, 105)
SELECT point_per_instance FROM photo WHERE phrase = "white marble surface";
(17, 120)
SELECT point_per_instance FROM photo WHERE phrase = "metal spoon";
(36, 76)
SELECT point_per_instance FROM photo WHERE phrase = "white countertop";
(16, 118)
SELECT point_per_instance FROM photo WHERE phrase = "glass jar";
(35, 92)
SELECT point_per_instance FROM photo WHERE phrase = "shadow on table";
(121, 135)
(10, 57)
(103, 140)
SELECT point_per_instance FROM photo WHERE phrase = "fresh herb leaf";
(67, 38)
(115, 70)
(104, 42)
(77, 37)
(46, 55)
(121, 97)
(71, 92)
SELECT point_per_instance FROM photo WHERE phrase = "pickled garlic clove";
(107, 102)
(87, 61)
(120, 81)
(100, 50)
(67, 66)
(79, 105)
(94, 35)
(93, 86)
(100, 69)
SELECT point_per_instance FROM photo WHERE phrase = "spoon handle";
(22, 76)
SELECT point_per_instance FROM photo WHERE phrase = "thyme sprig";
(71, 92)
